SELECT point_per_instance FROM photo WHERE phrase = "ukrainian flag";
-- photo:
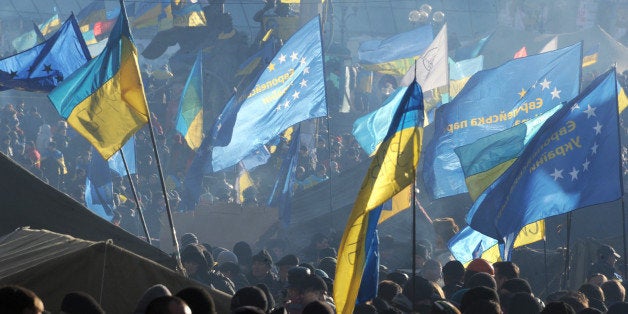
(392, 169)
(190, 116)
(187, 13)
(104, 100)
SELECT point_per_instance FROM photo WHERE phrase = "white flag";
(432, 67)
(551, 45)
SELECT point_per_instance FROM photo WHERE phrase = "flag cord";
(175, 242)
(137, 202)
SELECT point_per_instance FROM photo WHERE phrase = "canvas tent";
(53, 264)
(28, 201)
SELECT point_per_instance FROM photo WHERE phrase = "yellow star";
(271, 67)
(522, 93)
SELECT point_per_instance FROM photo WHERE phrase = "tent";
(53, 264)
(28, 201)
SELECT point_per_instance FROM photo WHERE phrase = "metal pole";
(567, 257)
(137, 202)
(175, 242)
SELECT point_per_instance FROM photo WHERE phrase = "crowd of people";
(273, 281)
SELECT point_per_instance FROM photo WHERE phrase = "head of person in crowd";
(80, 303)
(453, 275)
(188, 238)
(614, 292)
(229, 269)
(226, 256)
(484, 307)
(597, 279)
(595, 295)
(558, 307)
(482, 280)
(328, 265)
(194, 259)
(576, 299)
(417, 295)
(476, 294)
(313, 288)
(19, 300)
(477, 265)
(317, 307)
(505, 270)
(432, 270)
(608, 255)
(516, 285)
(199, 300)
(364, 308)
(444, 228)
(422, 255)
(398, 277)
(387, 290)
(168, 305)
(285, 264)
(244, 253)
(261, 264)
(522, 303)
(296, 277)
(327, 252)
(618, 308)
(248, 310)
(249, 296)
(149, 295)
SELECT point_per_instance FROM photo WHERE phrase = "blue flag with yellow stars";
(573, 161)
(42, 67)
(494, 100)
(290, 90)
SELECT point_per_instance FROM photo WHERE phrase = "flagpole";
(621, 186)
(566, 268)
(137, 202)
(545, 263)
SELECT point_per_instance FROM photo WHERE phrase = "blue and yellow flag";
(31, 38)
(281, 196)
(494, 100)
(187, 13)
(92, 13)
(42, 67)
(290, 90)
(104, 100)
(150, 13)
(392, 169)
(590, 56)
(190, 115)
(573, 161)
(460, 72)
(395, 55)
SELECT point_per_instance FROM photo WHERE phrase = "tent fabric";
(53, 264)
(28, 201)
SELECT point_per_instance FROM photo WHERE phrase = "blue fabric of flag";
(193, 181)
(42, 67)
(466, 243)
(117, 164)
(472, 49)
(257, 158)
(370, 277)
(465, 68)
(250, 70)
(405, 45)
(494, 100)
(281, 195)
(291, 90)
(101, 185)
(573, 161)
(371, 129)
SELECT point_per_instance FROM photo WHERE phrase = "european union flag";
(494, 100)
(572, 162)
(41, 68)
(291, 89)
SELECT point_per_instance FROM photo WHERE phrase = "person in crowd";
(195, 260)
(168, 305)
(505, 270)
(80, 303)
(149, 295)
(250, 296)
(614, 292)
(261, 272)
(19, 300)
(595, 295)
(605, 264)
(453, 274)
(199, 300)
